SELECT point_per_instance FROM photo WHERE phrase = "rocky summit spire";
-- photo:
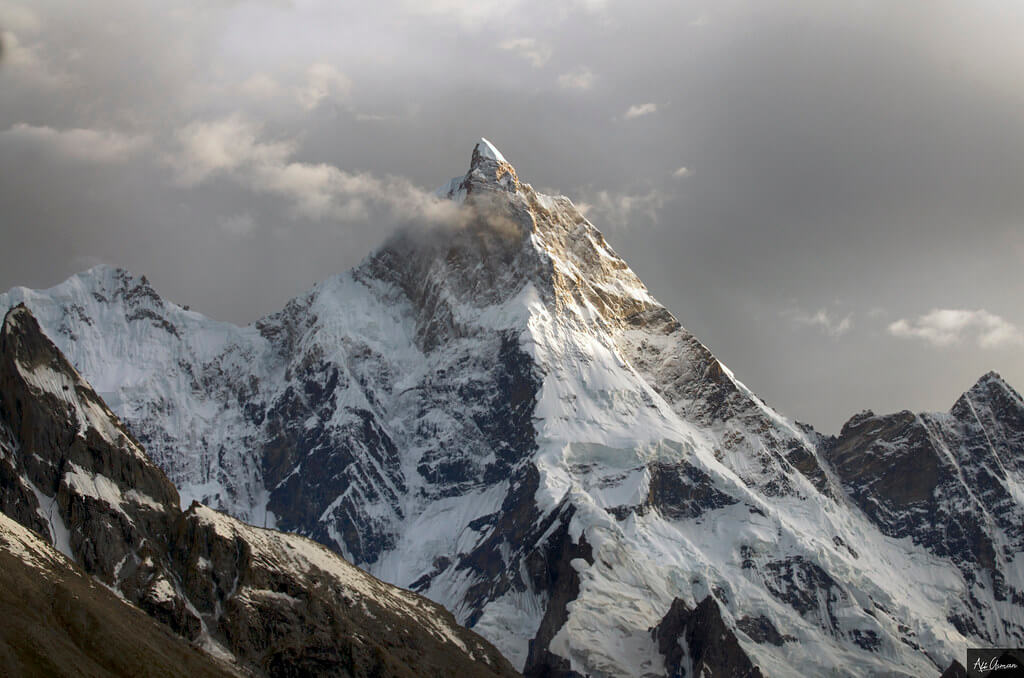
(485, 150)
(488, 171)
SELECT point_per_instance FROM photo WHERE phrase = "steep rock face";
(93, 491)
(698, 643)
(59, 622)
(498, 414)
(269, 603)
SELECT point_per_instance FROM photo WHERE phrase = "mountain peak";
(28, 357)
(485, 150)
(22, 339)
(989, 378)
(16, 315)
(488, 171)
(991, 389)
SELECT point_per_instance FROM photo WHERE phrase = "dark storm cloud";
(816, 189)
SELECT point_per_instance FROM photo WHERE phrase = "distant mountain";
(951, 483)
(257, 601)
(499, 415)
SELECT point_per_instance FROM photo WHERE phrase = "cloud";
(78, 145)
(323, 81)
(26, 61)
(238, 224)
(621, 210)
(483, 14)
(581, 79)
(207, 148)
(822, 320)
(529, 49)
(232, 147)
(681, 172)
(468, 14)
(19, 17)
(946, 327)
(260, 86)
(638, 110)
(701, 21)
(379, 117)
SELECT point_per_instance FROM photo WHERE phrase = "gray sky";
(829, 195)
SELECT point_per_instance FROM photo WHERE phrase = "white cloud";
(528, 48)
(621, 210)
(210, 148)
(638, 110)
(827, 323)
(26, 61)
(682, 172)
(260, 86)
(580, 78)
(947, 327)
(78, 145)
(323, 81)
(232, 147)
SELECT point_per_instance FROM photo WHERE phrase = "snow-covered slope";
(497, 414)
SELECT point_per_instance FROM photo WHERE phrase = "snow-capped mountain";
(259, 602)
(497, 414)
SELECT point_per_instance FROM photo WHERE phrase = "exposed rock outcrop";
(697, 643)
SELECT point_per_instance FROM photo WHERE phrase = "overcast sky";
(829, 195)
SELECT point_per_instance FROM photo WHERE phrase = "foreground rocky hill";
(258, 602)
(58, 621)
(497, 414)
